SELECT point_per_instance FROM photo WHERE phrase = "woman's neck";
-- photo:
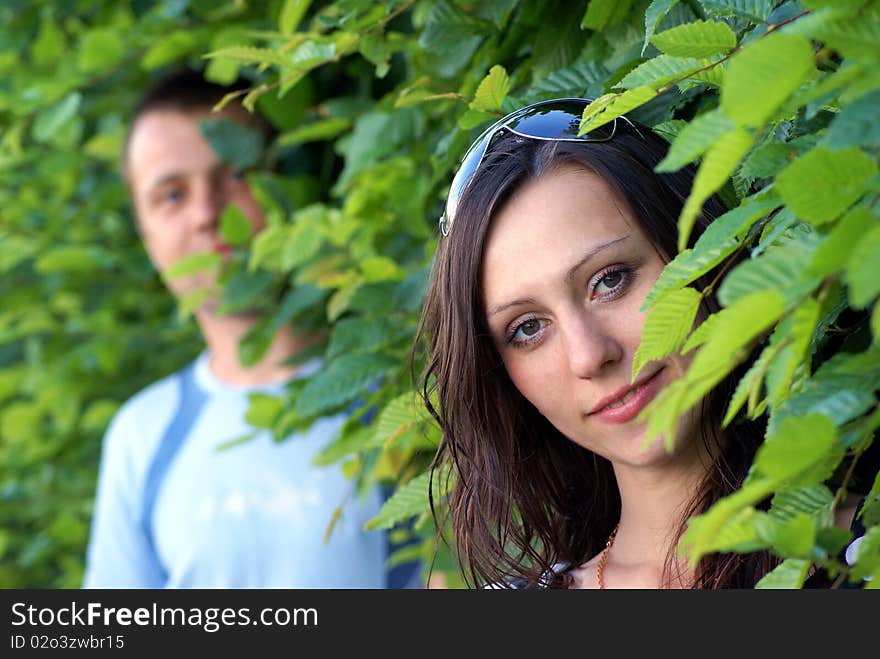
(654, 503)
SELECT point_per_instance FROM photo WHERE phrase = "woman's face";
(565, 271)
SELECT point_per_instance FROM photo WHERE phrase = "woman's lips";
(627, 407)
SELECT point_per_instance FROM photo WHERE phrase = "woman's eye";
(611, 280)
(530, 327)
(612, 283)
(526, 332)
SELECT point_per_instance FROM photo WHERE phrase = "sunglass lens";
(559, 120)
(465, 172)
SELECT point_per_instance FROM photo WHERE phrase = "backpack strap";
(190, 402)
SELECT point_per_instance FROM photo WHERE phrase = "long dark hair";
(525, 497)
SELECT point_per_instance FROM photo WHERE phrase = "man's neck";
(222, 335)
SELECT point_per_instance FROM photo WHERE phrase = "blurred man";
(172, 510)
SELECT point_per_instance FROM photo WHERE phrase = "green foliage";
(696, 39)
(376, 103)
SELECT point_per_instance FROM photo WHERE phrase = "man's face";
(180, 188)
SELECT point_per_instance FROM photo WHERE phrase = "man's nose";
(208, 202)
(590, 345)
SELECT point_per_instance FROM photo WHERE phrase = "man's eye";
(172, 196)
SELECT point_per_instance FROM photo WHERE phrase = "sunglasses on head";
(556, 120)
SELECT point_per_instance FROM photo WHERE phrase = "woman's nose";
(590, 346)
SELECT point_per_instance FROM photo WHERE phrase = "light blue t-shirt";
(254, 515)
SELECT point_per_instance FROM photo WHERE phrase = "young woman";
(550, 243)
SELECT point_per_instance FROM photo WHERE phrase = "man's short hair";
(187, 91)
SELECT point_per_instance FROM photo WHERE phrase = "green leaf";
(609, 107)
(703, 531)
(49, 122)
(868, 557)
(267, 247)
(732, 332)
(766, 161)
(343, 380)
(763, 75)
(304, 239)
(397, 418)
(359, 334)
(409, 500)
(815, 501)
(341, 300)
(790, 574)
(716, 243)
(263, 409)
(740, 533)
(835, 251)
(298, 300)
(666, 327)
(756, 10)
(875, 324)
(235, 143)
(70, 259)
(856, 124)
(249, 55)
(795, 537)
(600, 13)
(840, 396)
(49, 46)
(862, 269)
(169, 49)
(693, 140)
(802, 328)
(849, 36)
(245, 291)
(718, 164)
(376, 49)
(235, 229)
(659, 71)
(796, 444)
(325, 129)
(190, 265)
(100, 50)
(582, 79)
(737, 325)
(492, 90)
(381, 268)
(821, 184)
(778, 268)
(19, 421)
(473, 118)
(292, 12)
(653, 15)
(749, 385)
(310, 53)
(349, 442)
(450, 36)
(697, 39)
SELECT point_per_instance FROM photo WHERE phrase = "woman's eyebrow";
(569, 276)
(513, 303)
